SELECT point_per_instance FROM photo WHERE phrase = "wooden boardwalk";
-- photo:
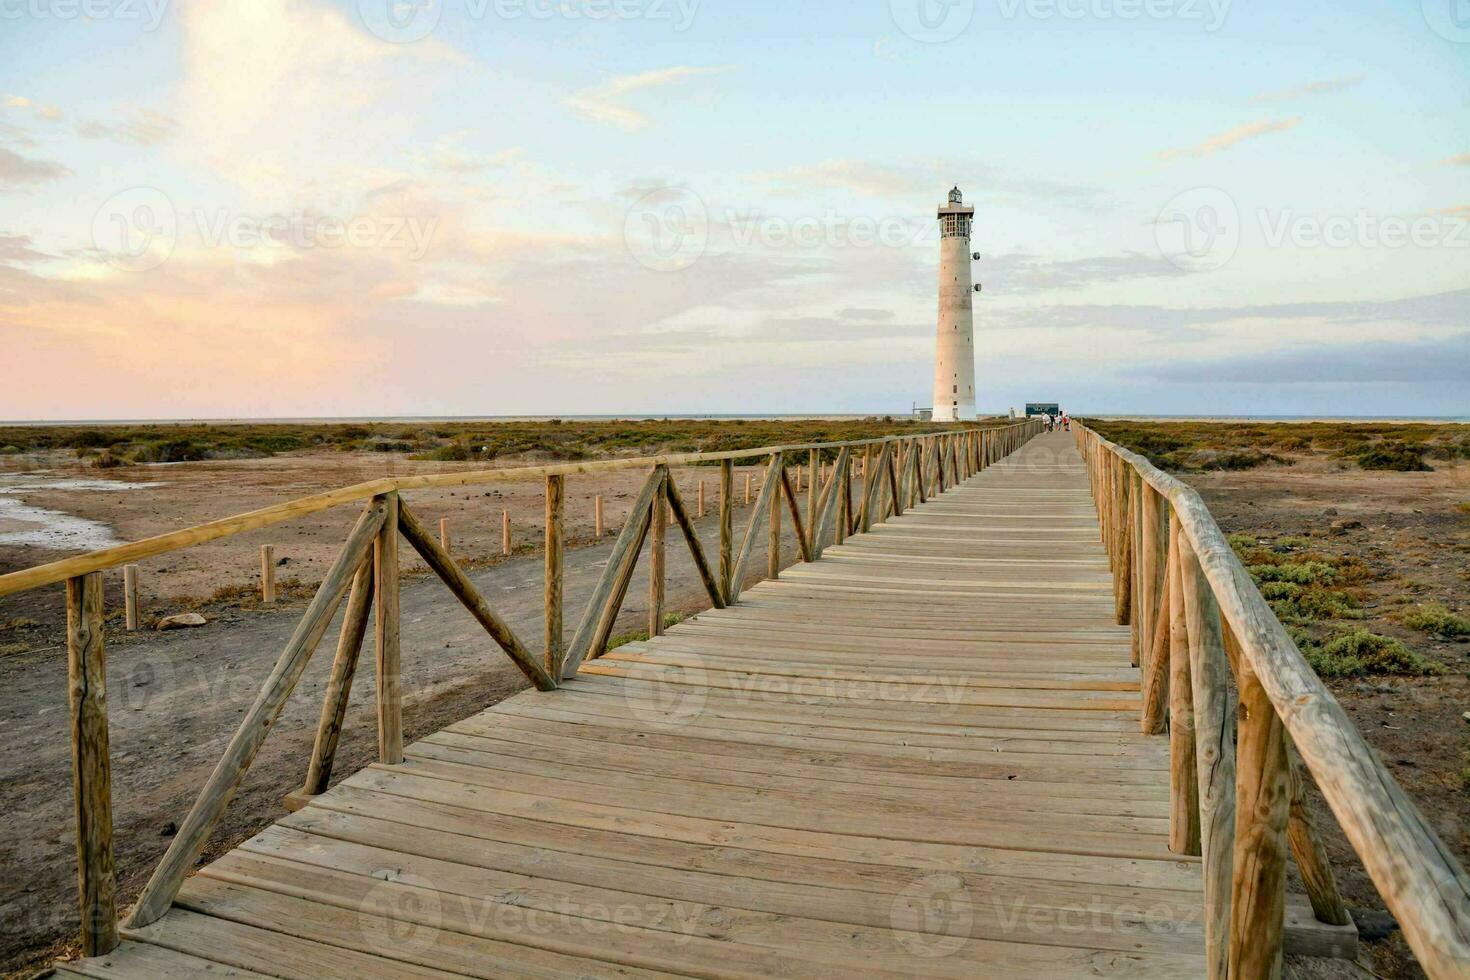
(918, 756)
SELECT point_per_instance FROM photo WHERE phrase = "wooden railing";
(897, 472)
(1236, 785)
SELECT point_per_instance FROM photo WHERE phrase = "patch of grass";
(1357, 653)
(1299, 573)
(1293, 543)
(466, 441)
(638, 636)
(1398, 456)
(1436, 620)
(1314, 604)
(1202, 445)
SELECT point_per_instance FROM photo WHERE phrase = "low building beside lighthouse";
(954, 356)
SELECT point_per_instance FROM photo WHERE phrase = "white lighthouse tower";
(954, 355)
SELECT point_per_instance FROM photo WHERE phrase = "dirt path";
(175, 697)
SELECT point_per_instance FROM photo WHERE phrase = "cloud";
(17, 172)
(1382, 362)
(1432, 311)
(1221, 141)
(137, 125)
(925, 178)
(16, 101)
(17, 248)
(1310, 88)
(1458, 160)
(1021, 273)
(603, 103)
(313, 96)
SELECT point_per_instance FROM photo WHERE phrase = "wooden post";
(773, 521)
(700, 509)
(91, 765)
(1311, 857)
(1184, 832)
(267, 574)
(814, 466)
(390, 690)
(1214, 754)
(555, 648)
(747, 489)
(843, 487)
(1154, 634)
(339, 686)
(598, 529)
(727, 527)
(505, 532)
(130, 596)
(444, 536)
(865, 517)
(1262, 805)
(712, 587)
(657, 532)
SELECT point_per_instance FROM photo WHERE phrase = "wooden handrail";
(1420, 880)
(60, 571)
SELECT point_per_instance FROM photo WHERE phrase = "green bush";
(455, 452)
(1436, 620)
(1399, 456)
(1299, 573)
(1357, 652)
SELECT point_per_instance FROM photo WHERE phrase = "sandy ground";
(175, 696)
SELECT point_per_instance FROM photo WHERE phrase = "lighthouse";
(954, 354)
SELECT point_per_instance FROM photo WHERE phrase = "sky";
(301, 208)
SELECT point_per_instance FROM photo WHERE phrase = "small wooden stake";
(701, 499)
(505, 532)
(598, 529)
(91, 765)
(444, 536)
(130, 596)
(267, 574)
(747, 489)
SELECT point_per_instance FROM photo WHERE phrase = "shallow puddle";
(26, 524)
